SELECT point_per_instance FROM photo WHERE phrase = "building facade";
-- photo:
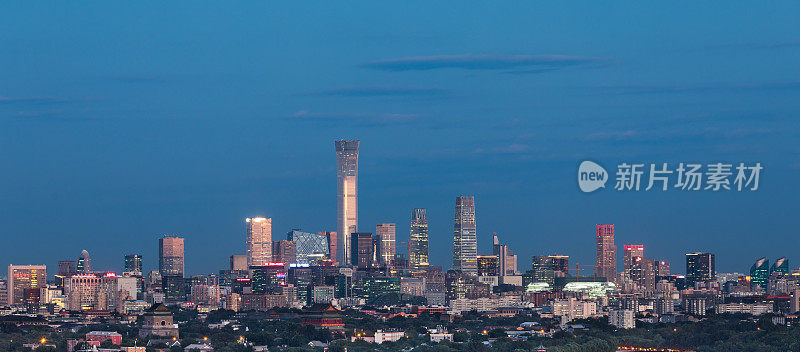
(386, 242)
(606, 263)
(259, 241)
(347, 195)
(465, 236)
(700, 267)
(170, 255)
(24, 277)
(418, 242)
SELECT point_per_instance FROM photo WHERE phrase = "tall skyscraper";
(84, 263)
(465, 236)
(386, 242)
(347, 195)
(507, 260)
(170, 256)
(418, 244)
(606, 265)
(781, 266)
(333, 244)
(23, 278)
(259, 241)
(759, 273)
(133, 264)
(629, 255)
(700, 267)
(284, 251)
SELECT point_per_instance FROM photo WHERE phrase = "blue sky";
(120, 121)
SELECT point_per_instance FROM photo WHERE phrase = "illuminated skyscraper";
(606, 265)
(418, 244)
(170, 256)
(22, 278)
(488, 265)
(310, 248)
(629, 255)
(759, 273)
(259, 241)
(84, 263)
(465, 236)
(386, 242)
(133, 264)
(347, 196)
(781, 266)
(700, 267)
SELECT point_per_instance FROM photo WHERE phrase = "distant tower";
(259, 241)
(465, 236)
(170, 256)
(606, 265)
(700, 267)
(629, 255)
(759, 273)
(781, 266)
(347, 196)
(418, 244)
(386, 242)
(84, 263)
(133, 264)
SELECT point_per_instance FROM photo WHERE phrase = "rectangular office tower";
(606, 265)
(133, 264)
(259, 241)
(465, 236)
(347, 196)
(22, 279)
(170, 256)
(700, 267)
(386, 242)
(418, 244)
(629, 255)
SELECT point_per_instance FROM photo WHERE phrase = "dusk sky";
(120, 121)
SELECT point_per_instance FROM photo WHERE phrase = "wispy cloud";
(377, 91)
(479, 62)
(359, 118)
(691, 88)
(756, 46)
(31, 100)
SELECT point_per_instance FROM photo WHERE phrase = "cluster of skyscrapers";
(352, 266)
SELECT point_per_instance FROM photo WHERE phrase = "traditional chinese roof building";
(157, 321)
(323, 315)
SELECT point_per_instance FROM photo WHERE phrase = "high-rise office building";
(700, 267)
(548, 267)
(465, 236)
(363, 250)
(629, 255)
(284, 251)
(488, 265)
(662, 268)
(239, 262)
(22, 278)
(759, 273)
(84, 263)
(347, 195)
(781, 266)
(133, 264)
(507, 261)
(333, 244)
(310, 248)
(386, 242)
(418, 242)
(606, 264)
(259, 241)
(170, 256)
